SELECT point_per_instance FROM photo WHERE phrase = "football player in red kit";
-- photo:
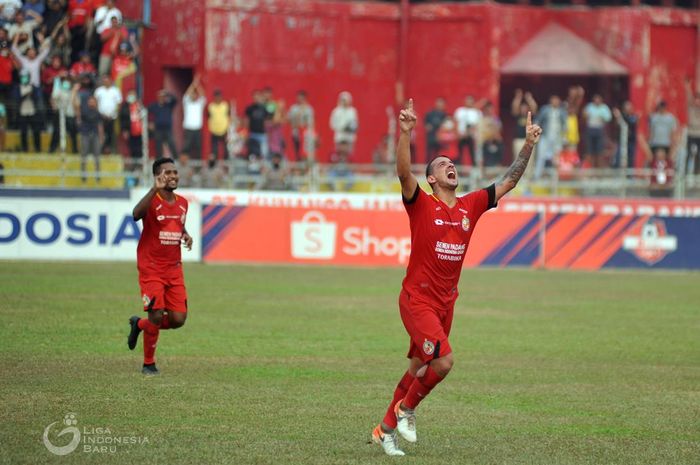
(441, 226)
(159, 261)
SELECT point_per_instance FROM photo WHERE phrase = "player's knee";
(155, 317)
(177, 320)
(442, 366)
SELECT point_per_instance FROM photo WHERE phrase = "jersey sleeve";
(482, 200)
(414, 204)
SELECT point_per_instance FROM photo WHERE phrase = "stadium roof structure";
(558, 51)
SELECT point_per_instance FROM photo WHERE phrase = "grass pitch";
(295, 365)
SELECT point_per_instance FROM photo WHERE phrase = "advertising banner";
(78, 229)
(507, 236)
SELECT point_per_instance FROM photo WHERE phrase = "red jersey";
(111, 38)
(439, 239)
(163, 226)
(79, 11)
(6, 67)
(79, 68)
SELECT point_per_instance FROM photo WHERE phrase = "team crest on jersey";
(146, 300)
(465, 223)
(428, 347)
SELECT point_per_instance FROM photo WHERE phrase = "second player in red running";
(159, 261)
(441, 227)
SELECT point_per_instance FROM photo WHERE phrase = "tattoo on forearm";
(516, 170)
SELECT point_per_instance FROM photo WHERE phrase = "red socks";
(420, 388)
(399, 393)
(150, 340)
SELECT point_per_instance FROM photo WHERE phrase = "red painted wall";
(452, 50)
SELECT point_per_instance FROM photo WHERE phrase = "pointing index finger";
(529, 118)
(409, 106)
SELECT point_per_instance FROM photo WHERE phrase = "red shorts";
(164, 290)
(427, 326)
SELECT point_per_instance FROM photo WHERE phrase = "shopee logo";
(360, 241)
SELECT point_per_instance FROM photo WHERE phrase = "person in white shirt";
(344, 122)
(193, 104)
(467, 119)
(109, 97)
(104, 15)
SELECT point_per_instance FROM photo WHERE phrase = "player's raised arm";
(142, 207)
(407, 121)
(516, 170)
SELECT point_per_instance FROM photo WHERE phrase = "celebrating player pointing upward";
(441, 226)
(159, 261)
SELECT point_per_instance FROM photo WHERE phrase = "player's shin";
(421, 387)
(399, 393)
(150, 340)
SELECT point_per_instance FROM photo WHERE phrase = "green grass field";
(295, 365)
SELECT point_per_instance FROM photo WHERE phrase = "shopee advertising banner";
(503, 237)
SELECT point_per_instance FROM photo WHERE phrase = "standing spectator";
(627, 117)
(89, 122)
(123, 66)
(109, 97)
(83, 67)
(490, 136)
(275, 133)
(662, 130)
(344, 123)
(104, 15)
(7, 66)
(574, 101)
(447, 138)
(79, 22)
(162, 112)
(111, 38)
(48, 75)
(301, 119)
(693, 102)
(522, 104)
(597, 114)
(131, 116)
(8, 10)
(23, 29)
(256, 117)
(29, 104)
(61, 46)
(467, 119)
(54, 14)
(552, 120)
(32, 61)
(218, 113)
(62, 102)
(433, 120)
(193, 118)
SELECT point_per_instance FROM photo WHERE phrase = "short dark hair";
(429, 166)
(159, 162)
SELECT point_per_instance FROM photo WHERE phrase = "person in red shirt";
(111, 38)
(441, 226)
(159, 261)
(83, 66)
(79, 22)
